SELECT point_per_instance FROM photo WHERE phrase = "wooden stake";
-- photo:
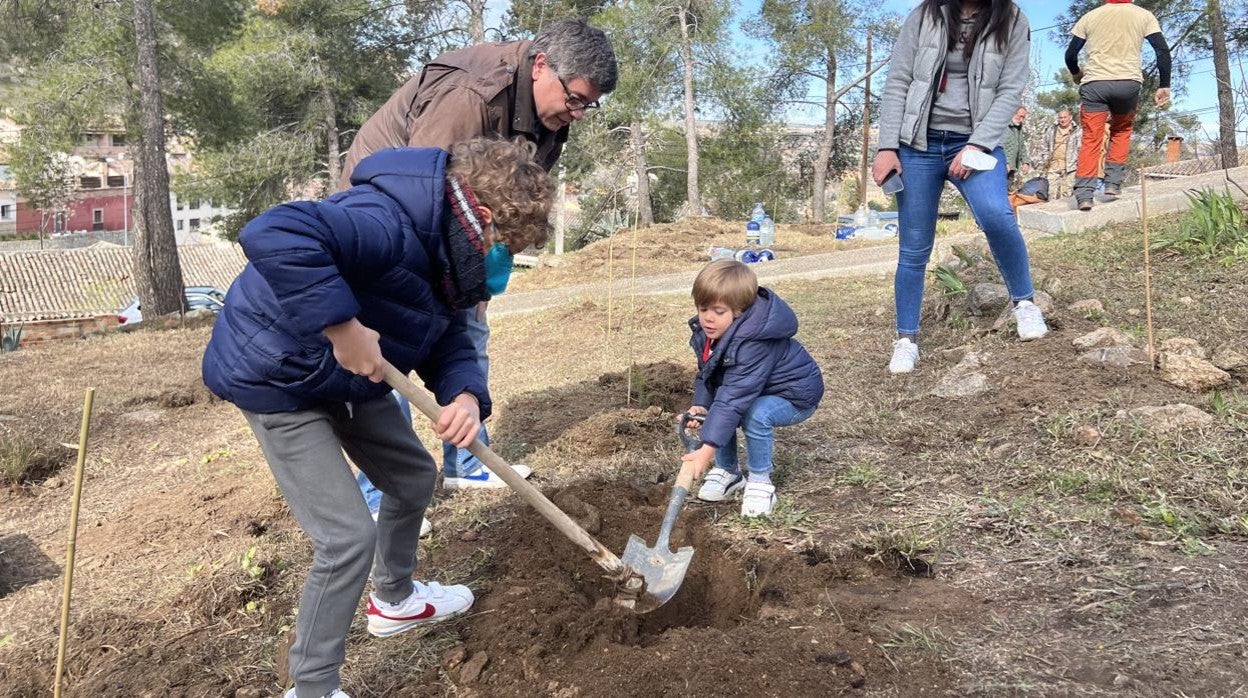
(1148, 271)
(83, 433)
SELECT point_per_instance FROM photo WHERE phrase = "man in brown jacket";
(530, 89)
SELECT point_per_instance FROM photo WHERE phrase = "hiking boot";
(719, 484)
(427, 604)
(1030, 321)
(759, 499)
(905, 356)
(1112, 191)
(483, 479)
(1085, 204)
(336, 693)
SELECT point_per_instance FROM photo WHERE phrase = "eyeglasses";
(573, 101)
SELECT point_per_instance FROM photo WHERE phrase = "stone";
(469, 536)
(991, 299)
(1228, 357)
(654, 410)
(1127, 515)
(1087, 435)
(1170, 417)
(1187, 300)
(959, 384)
(1118, 357)
(1192, 373)
(454, 657)
(1133, 312)
(1088, 306)
(860, 675)
(54, 483)
(1103, 337)
(472, 668)
(1184, 346)
(250, 692)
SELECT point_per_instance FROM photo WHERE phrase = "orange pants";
(1120, 129)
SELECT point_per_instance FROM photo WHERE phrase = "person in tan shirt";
(1109, 88)
(520, 89)
(1063, 155)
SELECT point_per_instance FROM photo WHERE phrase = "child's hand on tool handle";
(356, 349)
(460, 421)
(700, 458)
(693, 412)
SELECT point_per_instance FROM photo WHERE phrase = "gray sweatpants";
(305, 452)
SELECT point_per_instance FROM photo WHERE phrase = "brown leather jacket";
(481, 90)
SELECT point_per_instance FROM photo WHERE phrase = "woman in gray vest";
(954, 82)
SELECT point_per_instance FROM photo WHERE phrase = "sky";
(1048, 58)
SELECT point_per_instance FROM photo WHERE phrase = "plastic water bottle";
(758, 214)
(873, 219)
(752, 232)
(767, 232)
(860, 217)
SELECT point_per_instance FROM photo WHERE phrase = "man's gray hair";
(576, 50)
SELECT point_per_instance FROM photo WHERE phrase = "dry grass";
(1111, 569)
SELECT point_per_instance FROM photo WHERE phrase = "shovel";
(631, 593)
(663, 569)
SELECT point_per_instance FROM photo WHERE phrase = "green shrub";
(1213, 227)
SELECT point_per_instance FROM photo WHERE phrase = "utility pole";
(866, 128)
(1226, 100)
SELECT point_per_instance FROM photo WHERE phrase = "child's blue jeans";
(924, 173)
(759, 425)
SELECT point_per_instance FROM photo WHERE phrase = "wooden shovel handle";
(606, 559)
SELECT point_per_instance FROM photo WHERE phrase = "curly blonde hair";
(506, 179)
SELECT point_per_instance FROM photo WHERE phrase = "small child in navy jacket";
(752, 374)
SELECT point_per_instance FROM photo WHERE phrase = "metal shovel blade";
(663, 570)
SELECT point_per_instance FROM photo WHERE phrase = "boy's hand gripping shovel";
(630, 593)
(663, 569)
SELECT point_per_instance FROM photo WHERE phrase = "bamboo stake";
(83, 433)
(632, 310)
(1148, 271)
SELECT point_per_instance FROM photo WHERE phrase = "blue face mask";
(498, 264)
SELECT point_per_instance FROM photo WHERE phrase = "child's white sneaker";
(336, 693)
(719, 484)
(428, 603)
(1030, 321)
(483, 479)
(905, 356)
(759, 499)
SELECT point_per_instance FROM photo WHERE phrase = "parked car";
(197, 298)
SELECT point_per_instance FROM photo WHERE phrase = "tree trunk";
(693, 194)
(1226, 100)
(476, 20)
(157, 272)
(645, 212)
(333, 155)
(825, 146)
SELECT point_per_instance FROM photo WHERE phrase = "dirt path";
(843, 263)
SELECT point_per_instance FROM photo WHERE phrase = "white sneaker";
(426, 526)
(719, 484)
(759, 499)
(483, 479)
(1030, 321)
(337, 693)
(905, 356)
(427, 604)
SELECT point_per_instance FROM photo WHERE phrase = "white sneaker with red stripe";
(428, 603)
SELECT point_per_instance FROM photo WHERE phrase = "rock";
(991, 299)
(1127, 515)
(1088, 306)
(250, 692)
(1185, 347)
(469, 536)
(1231, 358)
(1192, 373)
(1171, 417)
(1103, 337)
(1133, 312)
(54, 483)
(454, 657)
(1187, 300)
(1087, 435)
(1143, 533)
(860, 675)
(955, 354)
(654, 410)
(958, 384)
(1118, 357)
(473, 667)
(1121, 680)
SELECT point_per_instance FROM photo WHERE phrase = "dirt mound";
(747, 620)
(590, 411)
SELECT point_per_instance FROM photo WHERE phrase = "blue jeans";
(759, 425)
(924, 174)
